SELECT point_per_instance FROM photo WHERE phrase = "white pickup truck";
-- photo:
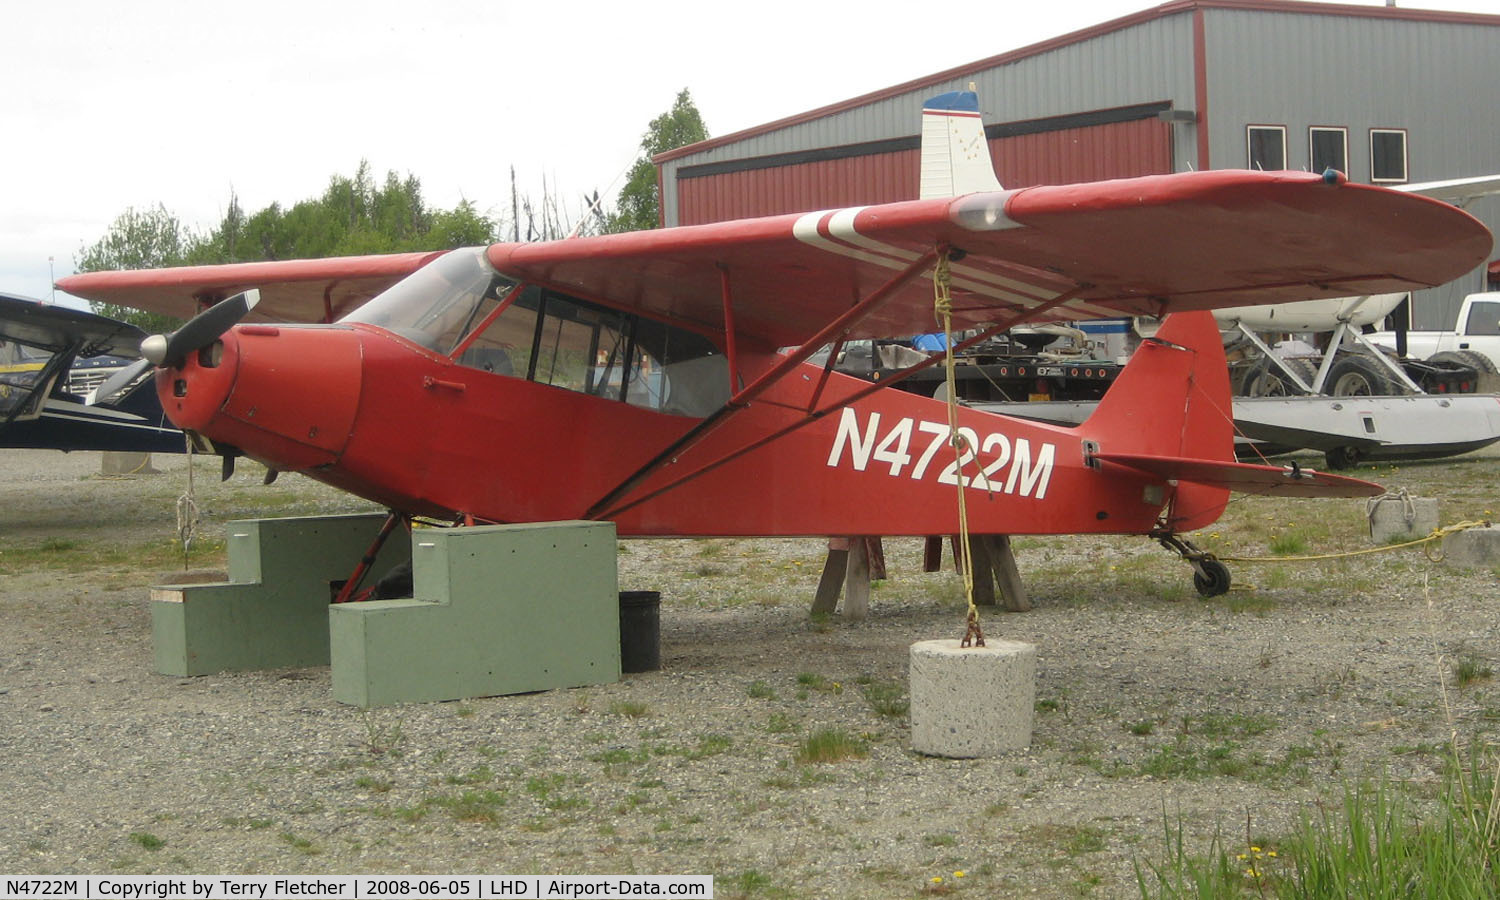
(1475, 343)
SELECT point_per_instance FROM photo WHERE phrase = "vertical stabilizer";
(955, 154)
(1173, 400)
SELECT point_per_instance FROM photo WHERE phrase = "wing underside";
(56, 328)
(293, 290)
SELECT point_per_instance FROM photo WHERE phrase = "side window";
(580, 347)
(676, 371)
(1484, 318)
(505, 346)
(553, 339)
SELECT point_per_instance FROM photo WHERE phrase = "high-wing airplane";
(643, 379)
(39, 345)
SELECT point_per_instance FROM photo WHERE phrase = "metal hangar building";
(1384, 94)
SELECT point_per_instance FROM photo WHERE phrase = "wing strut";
(604, 510)
(730, 343)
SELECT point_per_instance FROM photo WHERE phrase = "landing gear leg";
(1210, 577)
(346, 591)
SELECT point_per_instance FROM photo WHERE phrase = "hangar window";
(1265, 147)
(1328, 148)
(1387, 155)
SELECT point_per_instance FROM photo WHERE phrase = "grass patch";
(831, 745)
(301, 844)
(1468, 669)
(472, 806)
(887, 698)
(1289, 543)
(1374, 844)
(147, 841)
(812, 681)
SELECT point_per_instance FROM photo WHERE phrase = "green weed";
(829, 746)
(147, 841)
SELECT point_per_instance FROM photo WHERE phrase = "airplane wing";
(1138, 246)
(293, 290)
(1283, 481)
(56, 328)
(1458, 191)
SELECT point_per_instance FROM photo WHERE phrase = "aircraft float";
(645, 378)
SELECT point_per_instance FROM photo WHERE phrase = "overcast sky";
(108, 106)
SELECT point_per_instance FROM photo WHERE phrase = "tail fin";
(955, 153)
(1173, 400)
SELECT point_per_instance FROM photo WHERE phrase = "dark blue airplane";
(51, 359)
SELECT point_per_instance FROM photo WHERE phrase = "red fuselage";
(370, 412)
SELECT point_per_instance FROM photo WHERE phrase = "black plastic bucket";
(640, 631)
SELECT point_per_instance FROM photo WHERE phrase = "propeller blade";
(113, 387)
(200, 331)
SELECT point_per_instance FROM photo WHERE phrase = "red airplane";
(642, 378)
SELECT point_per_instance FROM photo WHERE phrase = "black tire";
(1356, 375)
(1471, 358)
(1340, 458)
(1266, 379)
(1212, 580)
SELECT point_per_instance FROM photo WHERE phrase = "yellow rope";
(1437, 534)
(942, 308)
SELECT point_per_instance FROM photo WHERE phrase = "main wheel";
(1210, 577)
(1355, 375)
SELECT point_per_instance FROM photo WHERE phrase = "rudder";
(1174, 399)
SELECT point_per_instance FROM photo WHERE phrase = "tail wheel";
(1210, 577)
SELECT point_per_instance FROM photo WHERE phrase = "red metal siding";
(1072, 155)
(1117, 150)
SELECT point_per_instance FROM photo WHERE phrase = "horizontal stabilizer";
(1283, 481)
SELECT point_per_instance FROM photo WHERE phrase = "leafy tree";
(353, 216)
(639, 204)
(138, 239)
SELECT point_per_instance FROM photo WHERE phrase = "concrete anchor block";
(1476, 548)
(1393, 518)
(122, 462)
(972, 702)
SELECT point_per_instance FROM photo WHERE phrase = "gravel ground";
(1154, 708)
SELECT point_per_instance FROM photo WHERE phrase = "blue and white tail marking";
(955, 154)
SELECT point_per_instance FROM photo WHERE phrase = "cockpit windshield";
(437, 305)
